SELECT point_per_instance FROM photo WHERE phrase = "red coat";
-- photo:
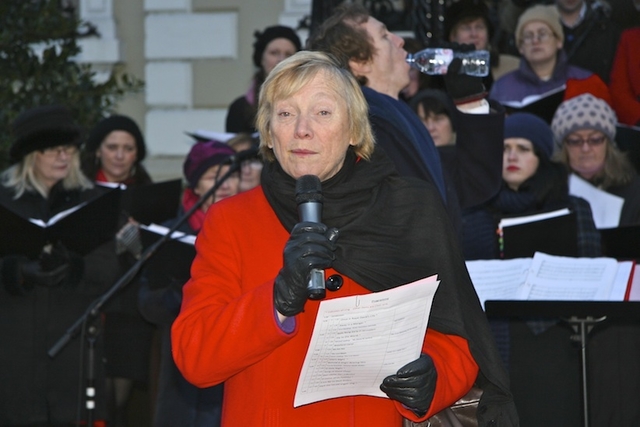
(227, 330)
(625, 78)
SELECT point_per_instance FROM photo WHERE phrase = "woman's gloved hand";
(311, 245)
(413, 385)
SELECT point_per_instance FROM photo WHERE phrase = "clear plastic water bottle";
(435, 61)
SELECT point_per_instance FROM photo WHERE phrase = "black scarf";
(372, 208)
(394, 231)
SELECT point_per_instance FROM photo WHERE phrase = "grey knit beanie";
(545, 13)
(583, 112)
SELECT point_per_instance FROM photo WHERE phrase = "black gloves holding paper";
(310, 246)
(413, 385)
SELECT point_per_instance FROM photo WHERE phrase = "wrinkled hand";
(311, 245)
(462, 87)
(413, 385)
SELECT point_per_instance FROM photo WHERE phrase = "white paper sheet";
(605, 207)
(498, 279)
(358, 341)
(565, 278)
(550, 277)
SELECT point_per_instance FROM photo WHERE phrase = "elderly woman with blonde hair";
(246, 319)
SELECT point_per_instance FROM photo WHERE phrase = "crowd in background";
(483, 148)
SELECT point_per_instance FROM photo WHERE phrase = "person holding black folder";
(532, 183)
(178, 402)
(112, 155)
(543, 70)
(41, 293)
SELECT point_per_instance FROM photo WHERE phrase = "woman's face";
(473, 32)
(438, 125)
(519, 162)
(539, 44)
(587, 150)
(228, 188)
(276, 51)
(53, 164)
(118, 153)
(250, 170)
(310, 131)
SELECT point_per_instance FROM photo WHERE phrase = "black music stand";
(582, 316)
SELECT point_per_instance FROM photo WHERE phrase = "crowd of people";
(416, 172)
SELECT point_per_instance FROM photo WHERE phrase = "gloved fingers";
(398, 383)
(308, 227)
(332, 234)
(454, 66)
(421, 365)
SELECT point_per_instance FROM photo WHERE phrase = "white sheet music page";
(565, 278)
(498, 279)
(357, 341)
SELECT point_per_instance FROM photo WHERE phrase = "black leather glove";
(413, 385)
(463, 88)
(311, 245)
(50, 269)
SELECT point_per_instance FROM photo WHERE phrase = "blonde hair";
(21, 177)
(294, 73)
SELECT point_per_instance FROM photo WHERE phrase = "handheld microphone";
(309, 199)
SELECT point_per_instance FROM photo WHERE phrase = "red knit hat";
(202, 156)
(592, 84)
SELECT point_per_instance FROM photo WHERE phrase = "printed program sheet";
(357, 341)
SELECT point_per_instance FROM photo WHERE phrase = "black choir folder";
(553, 232)
(172, 260)
(543, 105)
(80, 229)
(621, 242)
(151, 203)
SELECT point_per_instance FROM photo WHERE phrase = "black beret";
(42, 127)
(116, 122)
(465, 9)
(269, 34)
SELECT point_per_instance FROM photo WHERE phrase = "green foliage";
(29, 78)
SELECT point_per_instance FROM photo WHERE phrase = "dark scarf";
(514, 202)
(394, 231)
(373, 237)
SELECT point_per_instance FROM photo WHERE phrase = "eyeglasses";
(579, 142)
(541, 36)
(69, 150)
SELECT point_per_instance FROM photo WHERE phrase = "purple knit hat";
(202, 156)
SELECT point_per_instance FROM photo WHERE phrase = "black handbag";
(460, 414)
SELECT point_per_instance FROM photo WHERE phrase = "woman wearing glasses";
(41, 295)
(543, 66)
(585, 128)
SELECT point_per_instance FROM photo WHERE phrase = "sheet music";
(358, 341)
(566, 278)
(498, 279)
(177, 235)
(605, 207)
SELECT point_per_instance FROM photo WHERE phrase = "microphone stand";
(93, 310)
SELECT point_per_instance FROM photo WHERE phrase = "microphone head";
(308, 189)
